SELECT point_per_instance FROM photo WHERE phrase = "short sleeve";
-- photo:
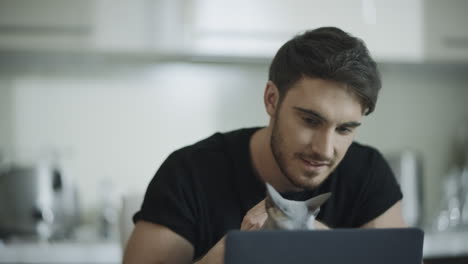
(379, 191)
(169, 199)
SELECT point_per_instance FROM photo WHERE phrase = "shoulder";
(217, 146)
(361, 157)
(361, 166)
(203, 148)
(210, 156)
(190, 163)
(367, 181)
(362, 150)
(365, 167)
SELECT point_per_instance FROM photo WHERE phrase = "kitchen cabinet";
(446, 27)
(45, 24)
(393, 30)
(139, 26)
(91, 25)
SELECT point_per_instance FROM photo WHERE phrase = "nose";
(322, 144)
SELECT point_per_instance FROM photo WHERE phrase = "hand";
(320, 226)
(255, 217)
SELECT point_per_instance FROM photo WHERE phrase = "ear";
(274, 195)
(315, 202)
(271, 98)
(278, 200)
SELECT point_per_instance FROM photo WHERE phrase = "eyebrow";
(351, 124)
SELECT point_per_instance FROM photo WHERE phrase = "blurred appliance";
(407, 167)
(37, 202)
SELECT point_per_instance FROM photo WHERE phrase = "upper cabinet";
(92, 25)
(446, 30)
(45, 24)
(394, 31)
(140, 25)
(391, 29)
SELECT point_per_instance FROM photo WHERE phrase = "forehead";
(332, 99)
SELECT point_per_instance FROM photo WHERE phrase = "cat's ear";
(274, 195)
(311, 221)
(276, 198)
(315, 202)
(291, 209)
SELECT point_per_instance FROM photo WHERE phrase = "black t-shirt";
(204, 190)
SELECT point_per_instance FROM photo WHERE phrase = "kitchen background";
(111, 88)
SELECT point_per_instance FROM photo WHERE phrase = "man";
(321, 84)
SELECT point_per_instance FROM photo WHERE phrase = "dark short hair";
(328, 53)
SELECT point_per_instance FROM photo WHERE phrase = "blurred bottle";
(449, 213)
(108, 210)
(464, 195)
(453, 211)
(461, 160)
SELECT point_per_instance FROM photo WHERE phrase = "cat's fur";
(286, 214)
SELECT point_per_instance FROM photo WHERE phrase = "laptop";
(338, 246)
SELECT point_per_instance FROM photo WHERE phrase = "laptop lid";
(338, 246)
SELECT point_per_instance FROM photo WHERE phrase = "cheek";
(304, 136)
(296, 135)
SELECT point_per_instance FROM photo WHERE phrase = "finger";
(257, 226)
(258, 209)
(247, 226)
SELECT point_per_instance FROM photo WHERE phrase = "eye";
(311, 121)
(344, 130)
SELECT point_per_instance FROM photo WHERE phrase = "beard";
(278, 147)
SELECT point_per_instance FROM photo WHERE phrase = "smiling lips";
(316, 166)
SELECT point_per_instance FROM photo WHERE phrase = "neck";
(265, 164)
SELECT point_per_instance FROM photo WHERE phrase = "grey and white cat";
(284, 214)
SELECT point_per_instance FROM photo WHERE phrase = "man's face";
(312, 129)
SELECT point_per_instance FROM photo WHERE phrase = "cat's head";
(288, 214)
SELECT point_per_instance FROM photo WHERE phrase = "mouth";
(315, 166)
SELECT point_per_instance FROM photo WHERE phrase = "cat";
(284, 214)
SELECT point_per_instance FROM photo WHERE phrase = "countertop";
(446, 244)
(61, 252)
(436, 245)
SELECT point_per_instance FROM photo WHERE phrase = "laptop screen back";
(339, 246)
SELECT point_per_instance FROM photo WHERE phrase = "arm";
(215, 255)
(153, 243)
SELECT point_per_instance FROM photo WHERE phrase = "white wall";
(419, 109)
(122, 123)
